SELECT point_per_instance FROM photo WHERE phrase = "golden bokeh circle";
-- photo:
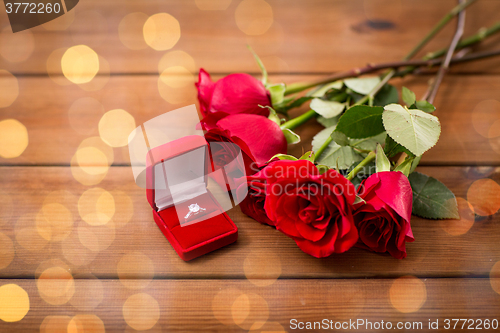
(262, 268)
(467, 218)
(54, 68)
(212, 4)
(177, 58)
(100, 80)
(115, 127)
(485, 114)
(408, 294)
(55, 324)
(96, 206)
(222, 303)
(96, 238)
(250, 311)
(92, 160)
(177, 77)
(9, 87)
(75, 252)
(83, 177)
(161, 31)
(56, 285)
(495, 277)
(141, 311)
(84, 323)
(124, 208)
(54, 222)
(80, 64)
(14, 303)
(484, 196)
(130, 31)
(27, 234)
(13, 138)
(7, 252)
(254, 17)
(130, 264)
(16, 47)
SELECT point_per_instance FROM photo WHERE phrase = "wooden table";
(80, 240)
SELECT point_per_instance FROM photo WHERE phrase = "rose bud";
(235, 93)
(258, 137)
(384, 221)
(313, 209)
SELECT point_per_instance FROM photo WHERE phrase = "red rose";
(253, 189)
(314, 209)
(384, 221)
(235, 93)
(258, 137)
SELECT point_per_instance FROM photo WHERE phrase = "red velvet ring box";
(176, 177)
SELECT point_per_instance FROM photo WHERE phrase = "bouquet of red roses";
(358, 185)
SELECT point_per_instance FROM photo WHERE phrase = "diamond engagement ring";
(194, 209)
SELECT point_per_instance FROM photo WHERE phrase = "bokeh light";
(7, 252)
(485, 116)
(89, 292)
(462, 226)
(55, 324)
(115, 127)
(96, 206)
(254, 17)
(75, 252)
(101, 78)
(262, 268)
(177, 77)
(250, 311)
(14, 303)
(16, 47)
(80, 64)
(84, 115)
(55, 283)
(13, 138)
(54, 68)
(222, 305)
(141, 311)
(212, 4)
(130, 31)
(495, 277)
(85, 323)
(408, 294)
(176, 85)
(124, 208)
(484, 196)
(9, 88)
(348, 299)
(91, 162)
(54, 222)
(135, 270)
(177, 58)
(161, 31)
(27, 234)
(96, 238)
(61, 23)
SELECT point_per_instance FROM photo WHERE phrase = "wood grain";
(44, 106)
(188, 305)
(435, 253)
(326, 36)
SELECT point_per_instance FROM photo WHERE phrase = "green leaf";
(291, 137)
(414, 129)
(327, 109)
(328, 122)
(392, 148)
(277, 92)
(322, 168)
(309, 156)
(405, 166)
(340, 138)
(369, 143)
(362, 86)
(361, 121)
(415, 162)
(408, 96)
(283, 157)
(334, 154)
(261, 65)
(431, 198)
(387, 95)
(425, 106)
(358, 200)
(323, 89)
(381, 161)
(272, 114)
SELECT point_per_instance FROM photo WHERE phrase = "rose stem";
(370, 157)
(297, 121)
(414, 51)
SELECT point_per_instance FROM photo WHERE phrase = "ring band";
(194, 209)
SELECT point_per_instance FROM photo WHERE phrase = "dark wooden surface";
(123, 275)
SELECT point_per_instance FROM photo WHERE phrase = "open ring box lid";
(188, 192)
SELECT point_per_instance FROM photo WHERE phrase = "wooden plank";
(236, 305)
(442, 248)
(44, 107)
(322, 36)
